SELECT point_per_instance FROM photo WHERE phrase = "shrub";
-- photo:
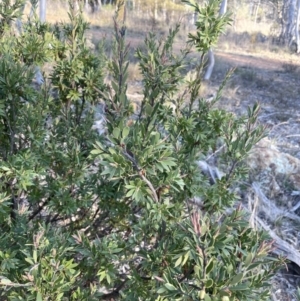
(127, 214)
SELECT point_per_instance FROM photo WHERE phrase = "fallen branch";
(296, 207)
(283, 248)
(288, 136)
(275, 212)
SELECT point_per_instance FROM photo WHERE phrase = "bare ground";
(275, 84)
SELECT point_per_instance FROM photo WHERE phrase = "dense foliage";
(99, 201)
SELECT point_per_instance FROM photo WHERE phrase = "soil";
(256, 61)
(274, 83)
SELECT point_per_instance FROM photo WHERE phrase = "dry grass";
(58, 12)
(245, 36)
(290, 67)
(134, 73)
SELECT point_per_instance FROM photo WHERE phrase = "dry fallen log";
(283, 248)
(275, 212)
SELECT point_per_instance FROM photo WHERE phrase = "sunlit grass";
(58, 12)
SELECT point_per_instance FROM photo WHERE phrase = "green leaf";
(197, 270)
(209, 266)
(122, 98)
(249, 259)
(39, 297)
(240, 287)
(4, 168)
(96, 152)
(29, 260)
(115, 86)
(5, 281)
(161, 290)
(117, 250)
(207, 297)
(130, 193)
(148, 109)
(102, 275)
(186, 257)
(178, 261)
(125, 132)
(237, 278)
(254, 265)
(209, 283)
(170, 287)
(35, 256)
(116, 133)
(108, 278)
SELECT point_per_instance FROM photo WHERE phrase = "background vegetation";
(102, 200)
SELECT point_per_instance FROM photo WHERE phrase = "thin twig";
(150, 186)
(297, 206)
(288, 136)
(140, 173)
(277, 125)
(214, 153)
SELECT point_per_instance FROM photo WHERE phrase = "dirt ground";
(275, 84)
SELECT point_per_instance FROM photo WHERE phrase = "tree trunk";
(155, 14)
(288, 20)
(256, 11)
(297, 28)
(43, 11)
(223, 8)
(210, 55)
(210, 64)
(18, 21)
(291, 22)
(164, 13)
